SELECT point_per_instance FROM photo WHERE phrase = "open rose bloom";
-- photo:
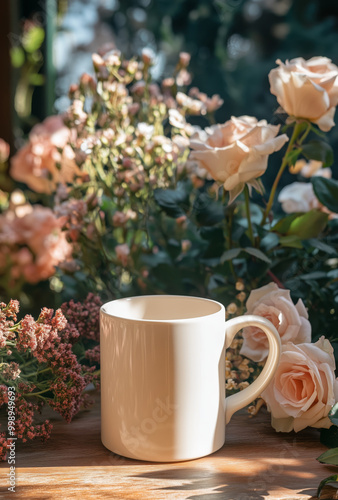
(307, 89)
(275, 304)
(237, 152)
(40, 164)
(304, 387)
(300, 196)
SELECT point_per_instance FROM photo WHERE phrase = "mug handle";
(249, 394)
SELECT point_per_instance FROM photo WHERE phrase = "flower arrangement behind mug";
(126, 137)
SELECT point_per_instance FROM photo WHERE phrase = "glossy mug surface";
(163, 375)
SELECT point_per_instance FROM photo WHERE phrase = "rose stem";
(228, 237)
(294, 136)
(275, 279)
(248, 214)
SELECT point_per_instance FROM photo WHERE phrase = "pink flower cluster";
(31, 246)
(84, 317)
(43, 350)
(47, 159)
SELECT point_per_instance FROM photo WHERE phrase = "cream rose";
(298, 197)
(304, 387)
(275, 304)
(307, 89)
(236, 152)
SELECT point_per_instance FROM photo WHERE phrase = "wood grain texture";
(255, 464)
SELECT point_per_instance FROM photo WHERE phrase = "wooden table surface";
(255, 463)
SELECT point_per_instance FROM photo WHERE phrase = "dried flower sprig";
(37, 359)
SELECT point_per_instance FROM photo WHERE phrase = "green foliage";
(174, 202)
(329, 437)
(27, 59)
(329, 457)
(326, 191)
(330, 479)
(308, 225)
(301, 226)
(319, 151)
(17, 57)
(333, 414)
(33, 38)
(206, 210)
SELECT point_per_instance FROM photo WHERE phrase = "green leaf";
(155, 259)
(17, 57)
(329, 457)
(257, 253)
(326, 191)
(330, 479)
(230, 254)
(33, 39)
(305, 226)
(234, 252)
(291, 241)
(322, 246)
(269, 241)
(329, 437)
(282, 226)
(292, 156)
(206, 211)
(316, 275)
(308, 225)
(316, 131)
(333, 274)
(174, 202)
(333, 414)
(320, 151)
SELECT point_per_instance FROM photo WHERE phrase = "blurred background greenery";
(233, 43)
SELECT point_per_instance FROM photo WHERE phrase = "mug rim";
(178, 320)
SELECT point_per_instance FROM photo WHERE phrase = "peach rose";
(307, 89)
(39, 164)
(32, 245)
(274, 304)
(236, 152)
(304, 387)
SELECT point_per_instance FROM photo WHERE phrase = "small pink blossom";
(122, 253)
(184, 58)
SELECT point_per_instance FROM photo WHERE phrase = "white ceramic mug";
(163, 375)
